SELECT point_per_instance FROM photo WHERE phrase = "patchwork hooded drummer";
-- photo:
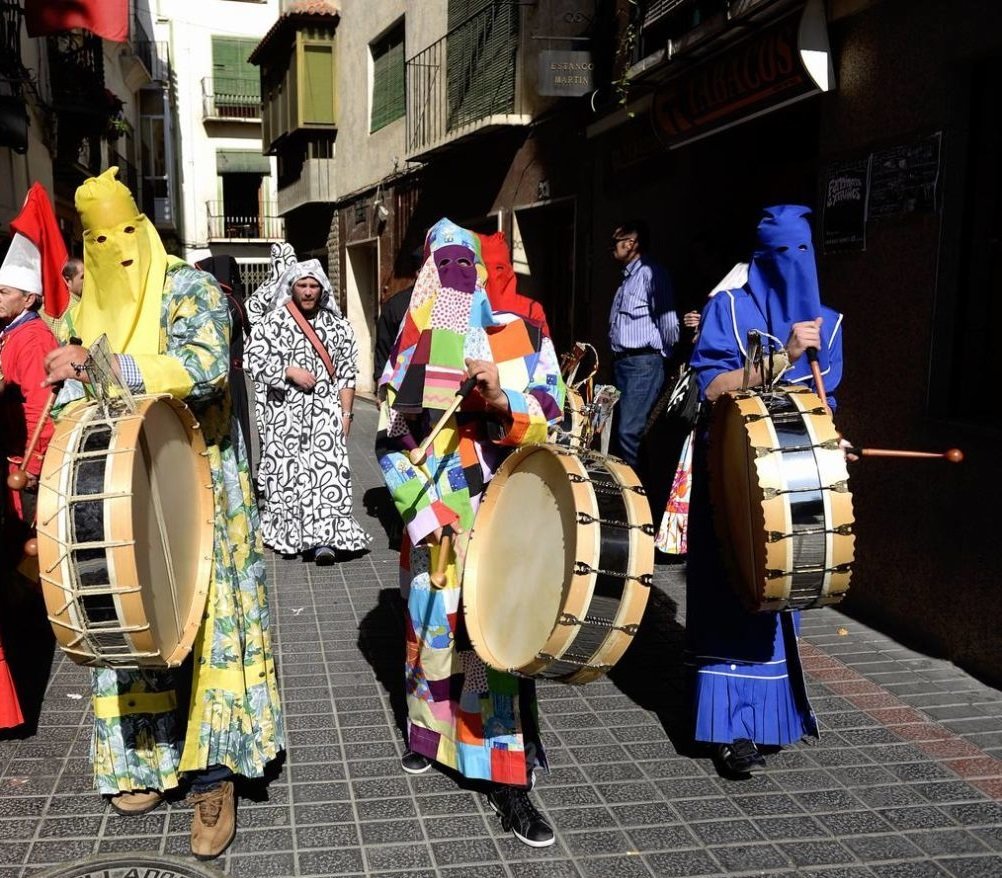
(461, 714)
(303, 352)
(168, 325)
(749, 684)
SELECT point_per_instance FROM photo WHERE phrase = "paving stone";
(261, 865)
(750, 858)
(399, 856)
(973, 867)
(333, 835)
(816, 853)
(683, 864)
(620, 867)
(339, 861)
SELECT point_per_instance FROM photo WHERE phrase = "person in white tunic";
(303, 352)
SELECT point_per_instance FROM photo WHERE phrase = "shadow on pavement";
(652, 672)
(379, 505)
(381, 641)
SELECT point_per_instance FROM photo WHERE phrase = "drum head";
(169, 524)
(521, 559)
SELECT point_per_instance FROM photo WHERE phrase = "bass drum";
(125, 527)
(781, 501)
(559, 564)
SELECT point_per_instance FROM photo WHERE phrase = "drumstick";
(953, 455)
(438, 578)
(819, 382)
(19, 478)
(418, 455)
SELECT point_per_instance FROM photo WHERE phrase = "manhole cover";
(138, 865)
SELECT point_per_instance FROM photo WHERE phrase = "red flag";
(37, 222)
(103, 18)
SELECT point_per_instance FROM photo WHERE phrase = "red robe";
(22, 354)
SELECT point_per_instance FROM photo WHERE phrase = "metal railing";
(155, 56)
(231, 97)
(466, 77)
(230, 223)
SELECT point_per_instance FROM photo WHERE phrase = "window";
(318, 84)
(388, 94)
(236, 85)
(481, 49)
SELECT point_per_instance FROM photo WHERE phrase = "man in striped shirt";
(643, 329)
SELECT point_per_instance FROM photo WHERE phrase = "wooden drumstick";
(819, 382)
(418, 455)
(953, 455)
(438, 578)
(19, 478)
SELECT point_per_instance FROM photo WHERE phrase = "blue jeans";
(639, 380)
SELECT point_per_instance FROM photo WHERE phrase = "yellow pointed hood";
(125, 265)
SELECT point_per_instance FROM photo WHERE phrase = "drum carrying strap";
(312, 337)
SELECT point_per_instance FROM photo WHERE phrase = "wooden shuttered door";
(481, 50)
(389, 101)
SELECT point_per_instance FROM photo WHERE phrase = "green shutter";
(480, 60)
(318, 84)
(235, 79)
(241, 161)
(388, 92)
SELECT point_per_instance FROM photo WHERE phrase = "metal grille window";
(388, 93)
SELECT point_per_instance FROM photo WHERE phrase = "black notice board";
(905, 178)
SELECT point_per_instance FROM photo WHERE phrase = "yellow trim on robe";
(110, 706)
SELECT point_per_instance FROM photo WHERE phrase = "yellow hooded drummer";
(168, 325)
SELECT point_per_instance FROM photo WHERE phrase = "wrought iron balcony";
(466, 82)
(76, 64)
(231, 97)
(228, 223)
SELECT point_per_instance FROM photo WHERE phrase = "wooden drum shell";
(538, 597)
(146, 506)
(760, 489)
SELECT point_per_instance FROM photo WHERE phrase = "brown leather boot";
(214, 823)
(136, 802)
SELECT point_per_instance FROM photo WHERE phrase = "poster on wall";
(905, 178)
(843, 219)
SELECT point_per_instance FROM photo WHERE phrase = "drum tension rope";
(582, 568)
(591, 621)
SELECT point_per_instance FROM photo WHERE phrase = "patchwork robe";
(461, 713)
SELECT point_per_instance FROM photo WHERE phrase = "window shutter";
(388, 90)
(233, 74)
(318, 85)
(480, 55)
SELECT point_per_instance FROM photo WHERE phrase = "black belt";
(635, 352)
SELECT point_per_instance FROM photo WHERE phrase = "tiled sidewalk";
(905, 781)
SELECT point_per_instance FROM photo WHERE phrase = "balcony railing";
(76, 64)
(229, 224)
(231, 97)
(466, 81)
(155, 57)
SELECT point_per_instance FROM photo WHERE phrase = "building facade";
(227, 184)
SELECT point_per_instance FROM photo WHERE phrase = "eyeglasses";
(615, 242)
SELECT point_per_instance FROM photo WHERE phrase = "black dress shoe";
(414, 763)
(520, 817)
(741, 757)
(324, 556)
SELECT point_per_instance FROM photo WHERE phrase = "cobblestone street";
(905, 782)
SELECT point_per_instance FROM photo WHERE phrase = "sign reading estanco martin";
(566, 74)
